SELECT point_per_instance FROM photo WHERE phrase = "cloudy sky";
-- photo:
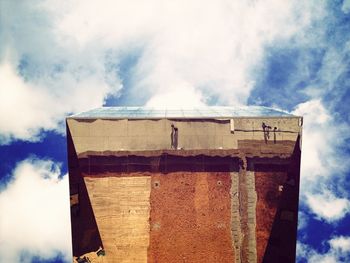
(61, 57)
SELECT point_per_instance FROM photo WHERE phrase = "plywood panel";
(121, 207)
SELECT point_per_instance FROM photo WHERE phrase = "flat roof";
(195, 112)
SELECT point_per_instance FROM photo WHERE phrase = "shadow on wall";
(85, 234)
(281, 246)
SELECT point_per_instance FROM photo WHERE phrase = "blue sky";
(61, 57)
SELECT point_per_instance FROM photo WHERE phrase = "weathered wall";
(191, 218)
(200, 205)
(123, 134)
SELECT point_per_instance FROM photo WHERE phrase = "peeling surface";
(251, 148)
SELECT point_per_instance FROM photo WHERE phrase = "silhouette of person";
(176, 134)
(172, 135)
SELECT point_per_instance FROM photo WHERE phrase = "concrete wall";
(123, 134)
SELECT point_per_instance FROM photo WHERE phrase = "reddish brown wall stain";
(267, 186)
(190, 218)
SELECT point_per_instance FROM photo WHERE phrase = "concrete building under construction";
(210, 184)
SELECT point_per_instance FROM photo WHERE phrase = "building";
(210, 184)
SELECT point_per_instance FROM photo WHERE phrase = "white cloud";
(322, 169)
(192, 50)
(323, 258)
(334, 66)
(340, 243)
(28, 107)
(328, 206)
(316, 129)
(43, 78)
(22, 106)
(183, 96)
(302, 250)
(346, 6)
(339, 248)
(35, 213)
(302, 220)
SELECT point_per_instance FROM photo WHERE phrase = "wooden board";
(121, 206)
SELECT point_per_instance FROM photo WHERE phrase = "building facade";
(210, 184)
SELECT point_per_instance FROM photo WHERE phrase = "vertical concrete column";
(247, 208)
(251, 216)
(235, 216)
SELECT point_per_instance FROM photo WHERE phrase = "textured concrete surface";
(133, 135)
(235, 216)
(248, 221)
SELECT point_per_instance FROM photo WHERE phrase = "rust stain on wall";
(190, 218)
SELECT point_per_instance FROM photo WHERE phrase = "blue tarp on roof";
(195, 112)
